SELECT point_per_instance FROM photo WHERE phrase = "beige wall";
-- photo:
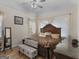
(77, 49)
(18, 31)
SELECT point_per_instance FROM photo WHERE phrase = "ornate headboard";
(52, 29)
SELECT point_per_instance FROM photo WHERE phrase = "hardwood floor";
(14, 54)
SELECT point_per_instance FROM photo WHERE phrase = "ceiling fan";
(36, 3)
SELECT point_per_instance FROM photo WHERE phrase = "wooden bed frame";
(45, 51)
(52, 29)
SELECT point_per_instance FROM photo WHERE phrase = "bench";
(29, 48)
(28, 51)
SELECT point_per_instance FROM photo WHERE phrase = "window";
(63, 23)
(31, 26)
(1, 17)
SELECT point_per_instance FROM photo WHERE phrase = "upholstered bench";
(29, 47)
(28, 51)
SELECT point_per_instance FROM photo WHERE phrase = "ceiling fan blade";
(42, 0)
(34, 5)
(39, 0)
(35, 0)
(40, 6)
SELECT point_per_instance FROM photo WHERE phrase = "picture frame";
(18, 20)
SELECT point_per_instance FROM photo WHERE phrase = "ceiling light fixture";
(35, 3)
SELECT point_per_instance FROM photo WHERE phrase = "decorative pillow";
(55, 36)
(42, 34)
(47, 33)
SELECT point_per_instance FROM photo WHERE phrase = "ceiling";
(49, 5)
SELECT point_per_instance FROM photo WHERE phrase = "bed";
(48, 44)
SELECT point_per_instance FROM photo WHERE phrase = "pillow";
(42, 34)
(47, 33)
(55, 36)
